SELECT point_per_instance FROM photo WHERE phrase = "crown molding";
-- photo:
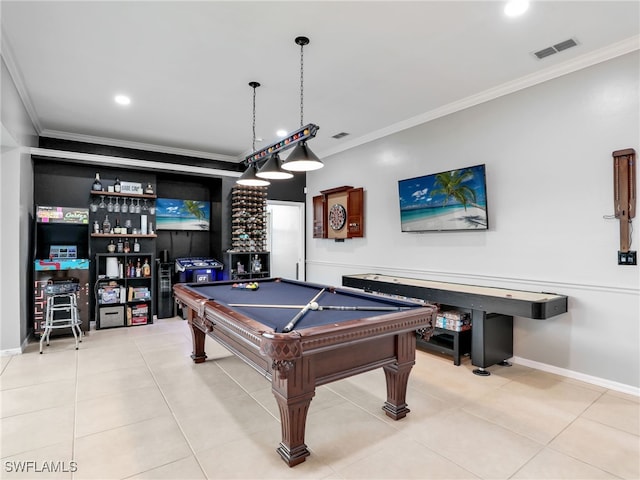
(629, 45)
(14, 72)
(607, 53)
(109, 161)
(112, 142)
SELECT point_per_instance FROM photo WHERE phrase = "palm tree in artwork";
(452, 185)
(194, 208)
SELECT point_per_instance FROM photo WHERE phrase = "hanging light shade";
(302, 159)
(250, 179)
(272, 169)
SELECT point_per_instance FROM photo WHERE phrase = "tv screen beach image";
(176, 214)
(452, 200)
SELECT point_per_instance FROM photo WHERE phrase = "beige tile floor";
(131, 404)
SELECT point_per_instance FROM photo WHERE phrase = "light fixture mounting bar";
(290, 140)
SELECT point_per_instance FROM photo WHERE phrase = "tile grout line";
(6, 365)
(579, 416)
(228, 374)
(173, 415)
(75, 416)
(398, 429)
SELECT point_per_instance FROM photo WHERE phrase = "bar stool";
(61, 311)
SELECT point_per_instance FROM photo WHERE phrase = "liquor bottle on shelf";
(120, 246)
(256, 265)
(116, 186)
(146, 268)
(138, 269)
(97, 184)
(106, 225)
(126, 247)
(117, 229)
(136, 245)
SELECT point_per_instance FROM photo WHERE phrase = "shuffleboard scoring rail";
(492, 309)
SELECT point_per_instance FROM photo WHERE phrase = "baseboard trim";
(601, 382)
(16, 351)
(11, 351)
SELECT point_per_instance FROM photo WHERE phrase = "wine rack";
(248, 219)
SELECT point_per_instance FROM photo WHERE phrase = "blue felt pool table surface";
(296, 294)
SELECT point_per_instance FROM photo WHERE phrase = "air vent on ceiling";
(558, 47)
(340, 135)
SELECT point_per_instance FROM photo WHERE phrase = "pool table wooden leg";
(397, 376)
(293, 394)
(199, 338)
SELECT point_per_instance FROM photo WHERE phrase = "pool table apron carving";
(298, 361)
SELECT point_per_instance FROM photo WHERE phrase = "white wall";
(549, 178)
(16, 205)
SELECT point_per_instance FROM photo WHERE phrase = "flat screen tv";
(445, 201)
(176, 214)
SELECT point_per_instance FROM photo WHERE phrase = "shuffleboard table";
(338, 333)
(492, 309)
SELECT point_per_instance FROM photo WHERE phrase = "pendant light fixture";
(272, 169)
(301, 158)
(249, 177)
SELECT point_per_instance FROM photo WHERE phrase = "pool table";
(339, 333)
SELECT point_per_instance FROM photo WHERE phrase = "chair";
(61, 311)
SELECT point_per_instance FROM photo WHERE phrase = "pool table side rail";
(352, 331)
(189, 298)
(548, 305)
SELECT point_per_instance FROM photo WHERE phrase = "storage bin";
(112, 316)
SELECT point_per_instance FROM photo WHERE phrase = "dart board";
(337, 216)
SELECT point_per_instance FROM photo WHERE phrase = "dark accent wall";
(67, 184)
(95, 149)
(192, 243)
(288, 190)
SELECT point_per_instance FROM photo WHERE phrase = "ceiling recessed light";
(122, 100)
(281, 133)
(514, 8)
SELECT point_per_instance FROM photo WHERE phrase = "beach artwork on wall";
(176, 214)
(445, 201)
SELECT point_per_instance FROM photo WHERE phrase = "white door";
(285, 239)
